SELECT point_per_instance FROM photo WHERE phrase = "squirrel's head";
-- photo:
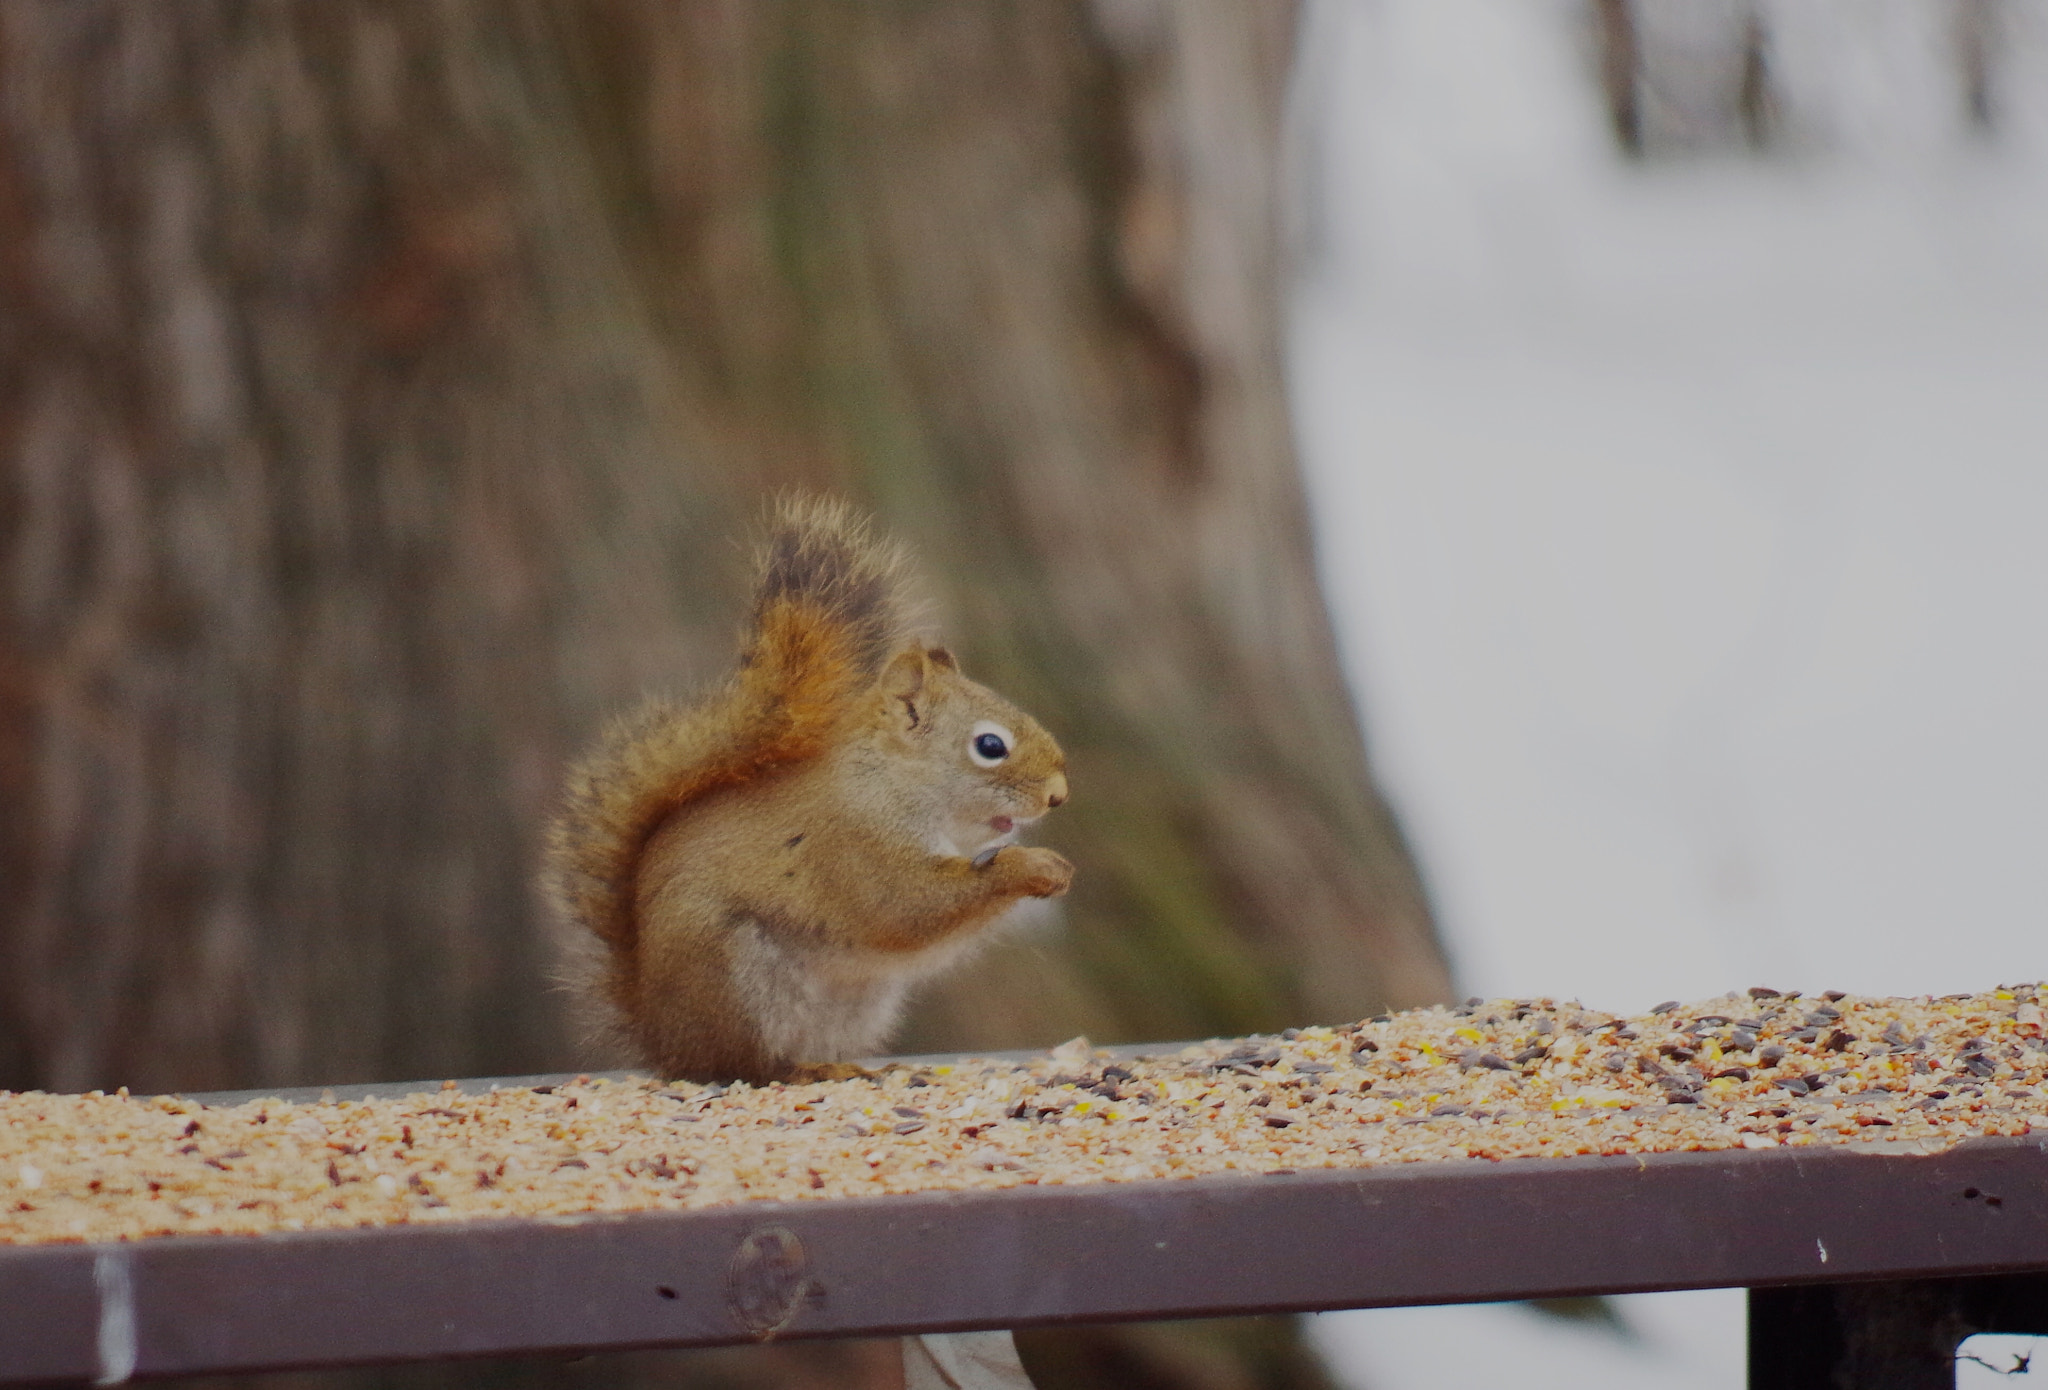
(988, 767)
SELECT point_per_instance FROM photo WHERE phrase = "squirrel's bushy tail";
(830, 608)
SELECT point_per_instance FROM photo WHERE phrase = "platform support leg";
(1894, 1335)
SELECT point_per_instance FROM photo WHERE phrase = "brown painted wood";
(1422, 1233)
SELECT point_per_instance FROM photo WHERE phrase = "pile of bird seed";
(1493, 1079)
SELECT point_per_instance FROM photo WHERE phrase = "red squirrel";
(771, 867)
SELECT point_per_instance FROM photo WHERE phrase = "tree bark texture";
(382, 388)
(337, 511)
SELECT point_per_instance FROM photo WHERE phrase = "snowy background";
(1686, 520)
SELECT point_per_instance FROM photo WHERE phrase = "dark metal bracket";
(1888, 1335)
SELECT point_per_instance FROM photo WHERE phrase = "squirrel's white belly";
(821, 1004)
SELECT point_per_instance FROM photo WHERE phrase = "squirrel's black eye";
(988, 743)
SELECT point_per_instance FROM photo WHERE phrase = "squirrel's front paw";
(1037, 873)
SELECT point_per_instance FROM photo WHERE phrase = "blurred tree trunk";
(1013, 273)
(1685, 77)
(381, 388)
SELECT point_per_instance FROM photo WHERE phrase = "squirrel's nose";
(1056, 789)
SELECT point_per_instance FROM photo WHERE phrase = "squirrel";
(769, 869)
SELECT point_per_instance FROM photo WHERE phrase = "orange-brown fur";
(769, 868)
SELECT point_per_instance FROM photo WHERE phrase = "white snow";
(1686, 524)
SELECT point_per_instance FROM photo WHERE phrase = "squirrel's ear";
(905, 687)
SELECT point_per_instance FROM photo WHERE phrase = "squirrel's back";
(830, 605)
